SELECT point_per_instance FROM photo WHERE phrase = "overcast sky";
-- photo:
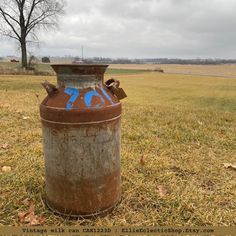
(141, 29)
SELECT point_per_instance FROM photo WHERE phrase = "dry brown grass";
(5, 69)
(178, 131)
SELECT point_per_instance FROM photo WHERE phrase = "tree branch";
(10, 36)
(9, 23)
(34, 4)
(39, 20)
(5, 13)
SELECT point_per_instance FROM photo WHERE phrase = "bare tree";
(21, 20)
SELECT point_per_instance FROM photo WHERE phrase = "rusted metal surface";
(81, 137)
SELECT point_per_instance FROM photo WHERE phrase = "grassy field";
(225, 70)
(8, 67)
(177, 133)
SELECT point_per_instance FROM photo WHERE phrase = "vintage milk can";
(81, 139)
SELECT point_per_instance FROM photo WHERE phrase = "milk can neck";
(79, 76)
(78, 81)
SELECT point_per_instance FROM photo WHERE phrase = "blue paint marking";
(106, 95)
(89, 96)
(74, 93)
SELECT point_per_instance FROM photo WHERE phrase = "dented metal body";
(81, 137)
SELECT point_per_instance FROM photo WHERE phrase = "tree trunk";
(23, 54)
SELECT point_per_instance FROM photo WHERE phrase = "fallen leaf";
(22, 215)
(25, 117)
(19, 111)
(226, 165)
(30, 217)
(26, 202)
(198, 143)
(229, 165)
(6, 168)
(161, 190)
(5, 146)
(33, 219)
(31, 208)
(142, 162)
(157, 139)
(5, 105)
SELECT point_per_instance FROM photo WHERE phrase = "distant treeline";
(107, 60)
(191, 61)
(159, 61)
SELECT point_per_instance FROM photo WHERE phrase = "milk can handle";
(113, 86)
(116, 83)
(50, 88)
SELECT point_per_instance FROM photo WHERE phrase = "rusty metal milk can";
(81, 139)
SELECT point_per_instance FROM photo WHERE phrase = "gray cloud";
(141, 28)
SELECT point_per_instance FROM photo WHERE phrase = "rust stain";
(84, 197)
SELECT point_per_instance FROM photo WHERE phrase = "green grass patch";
(124, 71)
